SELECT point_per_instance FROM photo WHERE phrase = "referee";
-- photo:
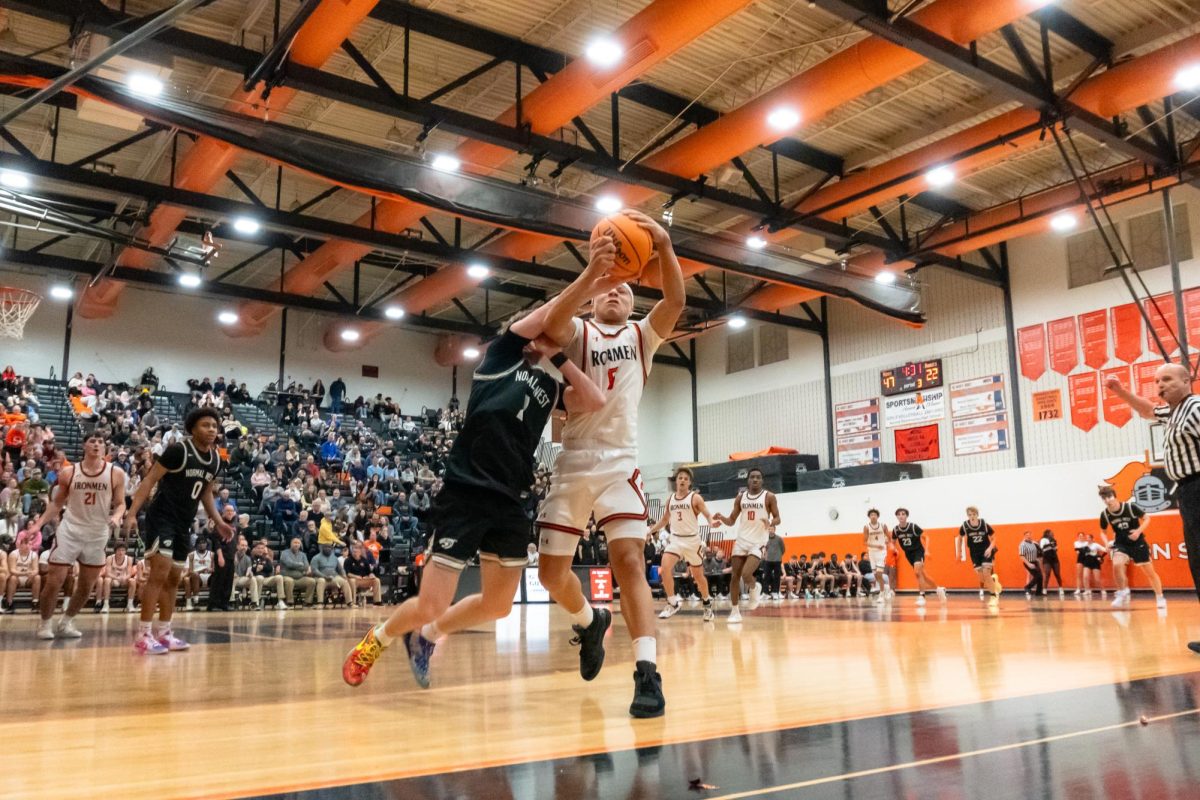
(1180, 413)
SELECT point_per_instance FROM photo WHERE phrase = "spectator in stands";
(772, 564)
(318, 392)
(867, 573)
(337, 391)
(716, 571)
(262, 568)
(31, 534)
(10, 509)
(330, 533)
(14, 442)
(419, 503)
(223, 500)
(199, 571)
(220, 586)
(243, 572)
(793, 572)
(854, 578)
(260, 479)
(585, 551)
(331, 454)
(360, 570)
(328, 570)
(286, 510)
(373, 545)
(9, 379)
(406, 524)
(297, 574)
(22, 574)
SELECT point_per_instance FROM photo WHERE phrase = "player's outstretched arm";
(666, 312)
(553, 320)
(659, 525)
(733, 515)
(701, 508)
(117, 508)
(582, 395)
(1143, 407)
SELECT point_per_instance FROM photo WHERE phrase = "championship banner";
(1191, 313)
(1093, 334)
(1084, 399)
(1031, 347)
(986, 434)
(856, 451)
(1047, 405)
(1116, 411)
(601, 580)
(977, 396)
(1143, 380)
(914, 408)
(857, 417)
(1163, 321)
(1064, 345)
(1127, 332)
(917, 444)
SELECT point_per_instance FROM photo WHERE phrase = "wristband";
(558, 359)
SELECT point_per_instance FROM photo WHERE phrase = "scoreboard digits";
(911, 377)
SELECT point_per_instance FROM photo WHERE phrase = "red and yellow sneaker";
(361, 659)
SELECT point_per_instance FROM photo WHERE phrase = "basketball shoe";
(420, 650)
(591, 643)
(360, 660)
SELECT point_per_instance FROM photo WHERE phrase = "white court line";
(953, 757)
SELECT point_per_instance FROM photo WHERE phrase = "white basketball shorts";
(71, 546)
(878, 557)
(604, 482)
(689, 548)
(748, 548)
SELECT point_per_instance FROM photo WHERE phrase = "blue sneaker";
(419, 650)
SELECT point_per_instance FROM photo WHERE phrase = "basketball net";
(16, 307)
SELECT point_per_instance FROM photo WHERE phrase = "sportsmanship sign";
(914, 408)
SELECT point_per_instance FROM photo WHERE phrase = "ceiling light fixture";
(1063, 222)
(939, 177)
(227, 317)
(394, 312)
(608, 204)
(189, 280)
(604, 52)
(783, 118)
(61, 292)
(443, 162)
(471, 352)
(11, 179)
(144, 85)
(886, 278)
(1188, 78)
(756, 242)
(350, 335)
(737, 322)
(477, 271)
(247, 225)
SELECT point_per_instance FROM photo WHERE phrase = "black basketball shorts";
(467, 520)
(979, 560)
(1138, 551)
(915, 555)
(166, 539)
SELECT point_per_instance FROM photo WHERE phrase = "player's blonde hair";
(972, 509)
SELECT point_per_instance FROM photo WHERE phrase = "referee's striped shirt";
(1182, 438)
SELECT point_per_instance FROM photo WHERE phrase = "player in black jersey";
(1128, 523)
(910, 538)
(1050, 562)
(976, 537)
(480, 508)
(184, 475)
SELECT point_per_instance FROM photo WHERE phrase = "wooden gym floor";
(835, 698)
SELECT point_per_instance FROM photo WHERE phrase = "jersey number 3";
(612, 377)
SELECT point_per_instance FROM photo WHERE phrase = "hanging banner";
(1047, 405)
(986, 434)
(857, 417)
(977, 396)
(917, 444)
(914, 408)
(1116, 411)
(1143, 380)
(1093, 335)
(856, 451)
(1084, 400)
(1031, 348)
(1191, 315)
(1064, 345)
(1127, 332)
(1163, 321)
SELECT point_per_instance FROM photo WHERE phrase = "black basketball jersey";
(1127, 519)
(178, 492)
(509, 405)
(908, 537)
(977, 537)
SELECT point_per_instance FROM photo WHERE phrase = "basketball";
(635, 248)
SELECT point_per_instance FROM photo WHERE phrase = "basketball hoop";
(16, 307)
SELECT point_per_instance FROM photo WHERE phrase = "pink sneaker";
(147, 645)
(172, 642)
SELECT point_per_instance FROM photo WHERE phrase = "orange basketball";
(635, 248)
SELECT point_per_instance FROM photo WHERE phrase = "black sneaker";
(591, 643)
(1194, 647)
(648, 700)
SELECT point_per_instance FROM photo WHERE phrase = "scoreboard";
(912, 377)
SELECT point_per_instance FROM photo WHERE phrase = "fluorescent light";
(350, 335)
(445, 163)
(1188, 78)
(939, 177)
(11, 179)
(1063, 222)
(247, 225)
(227, 317)
(394, 312)
(477, 272)
(189, 280)
(885, 277)
(783, 118)
(470, 352)
(737, 322)
(608, 204)
(61, 292)
(756, 242)
(604, 52)
(144, 85)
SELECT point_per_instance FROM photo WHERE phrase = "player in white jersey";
(684, 508)
(92, 493)
(878, 540)
(597, 470)
(759, 512)
(119, 571)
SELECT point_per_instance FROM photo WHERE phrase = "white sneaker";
(669, 611)
(879, 599)
(708, 613)
(104, 608)
(941, 593)
(1028, 596)
(1062, 593)
(66, 629)
(1077, 593)
(1121, 599)
(45, 629)
(755, 596)
(920, 599)
(1161, 602)
(130, 608)
(1104, 592)
(981, 594)
(188, 606)
(281, 606)
(735, 616)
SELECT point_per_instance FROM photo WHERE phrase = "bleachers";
(55, 410)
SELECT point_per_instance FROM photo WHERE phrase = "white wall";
(664, 426)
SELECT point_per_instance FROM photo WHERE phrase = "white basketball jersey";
(617, 358)
(89, 502)
(752, 525)
(683, 517)
(876, 538)
(202, 562)
(119, 571)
